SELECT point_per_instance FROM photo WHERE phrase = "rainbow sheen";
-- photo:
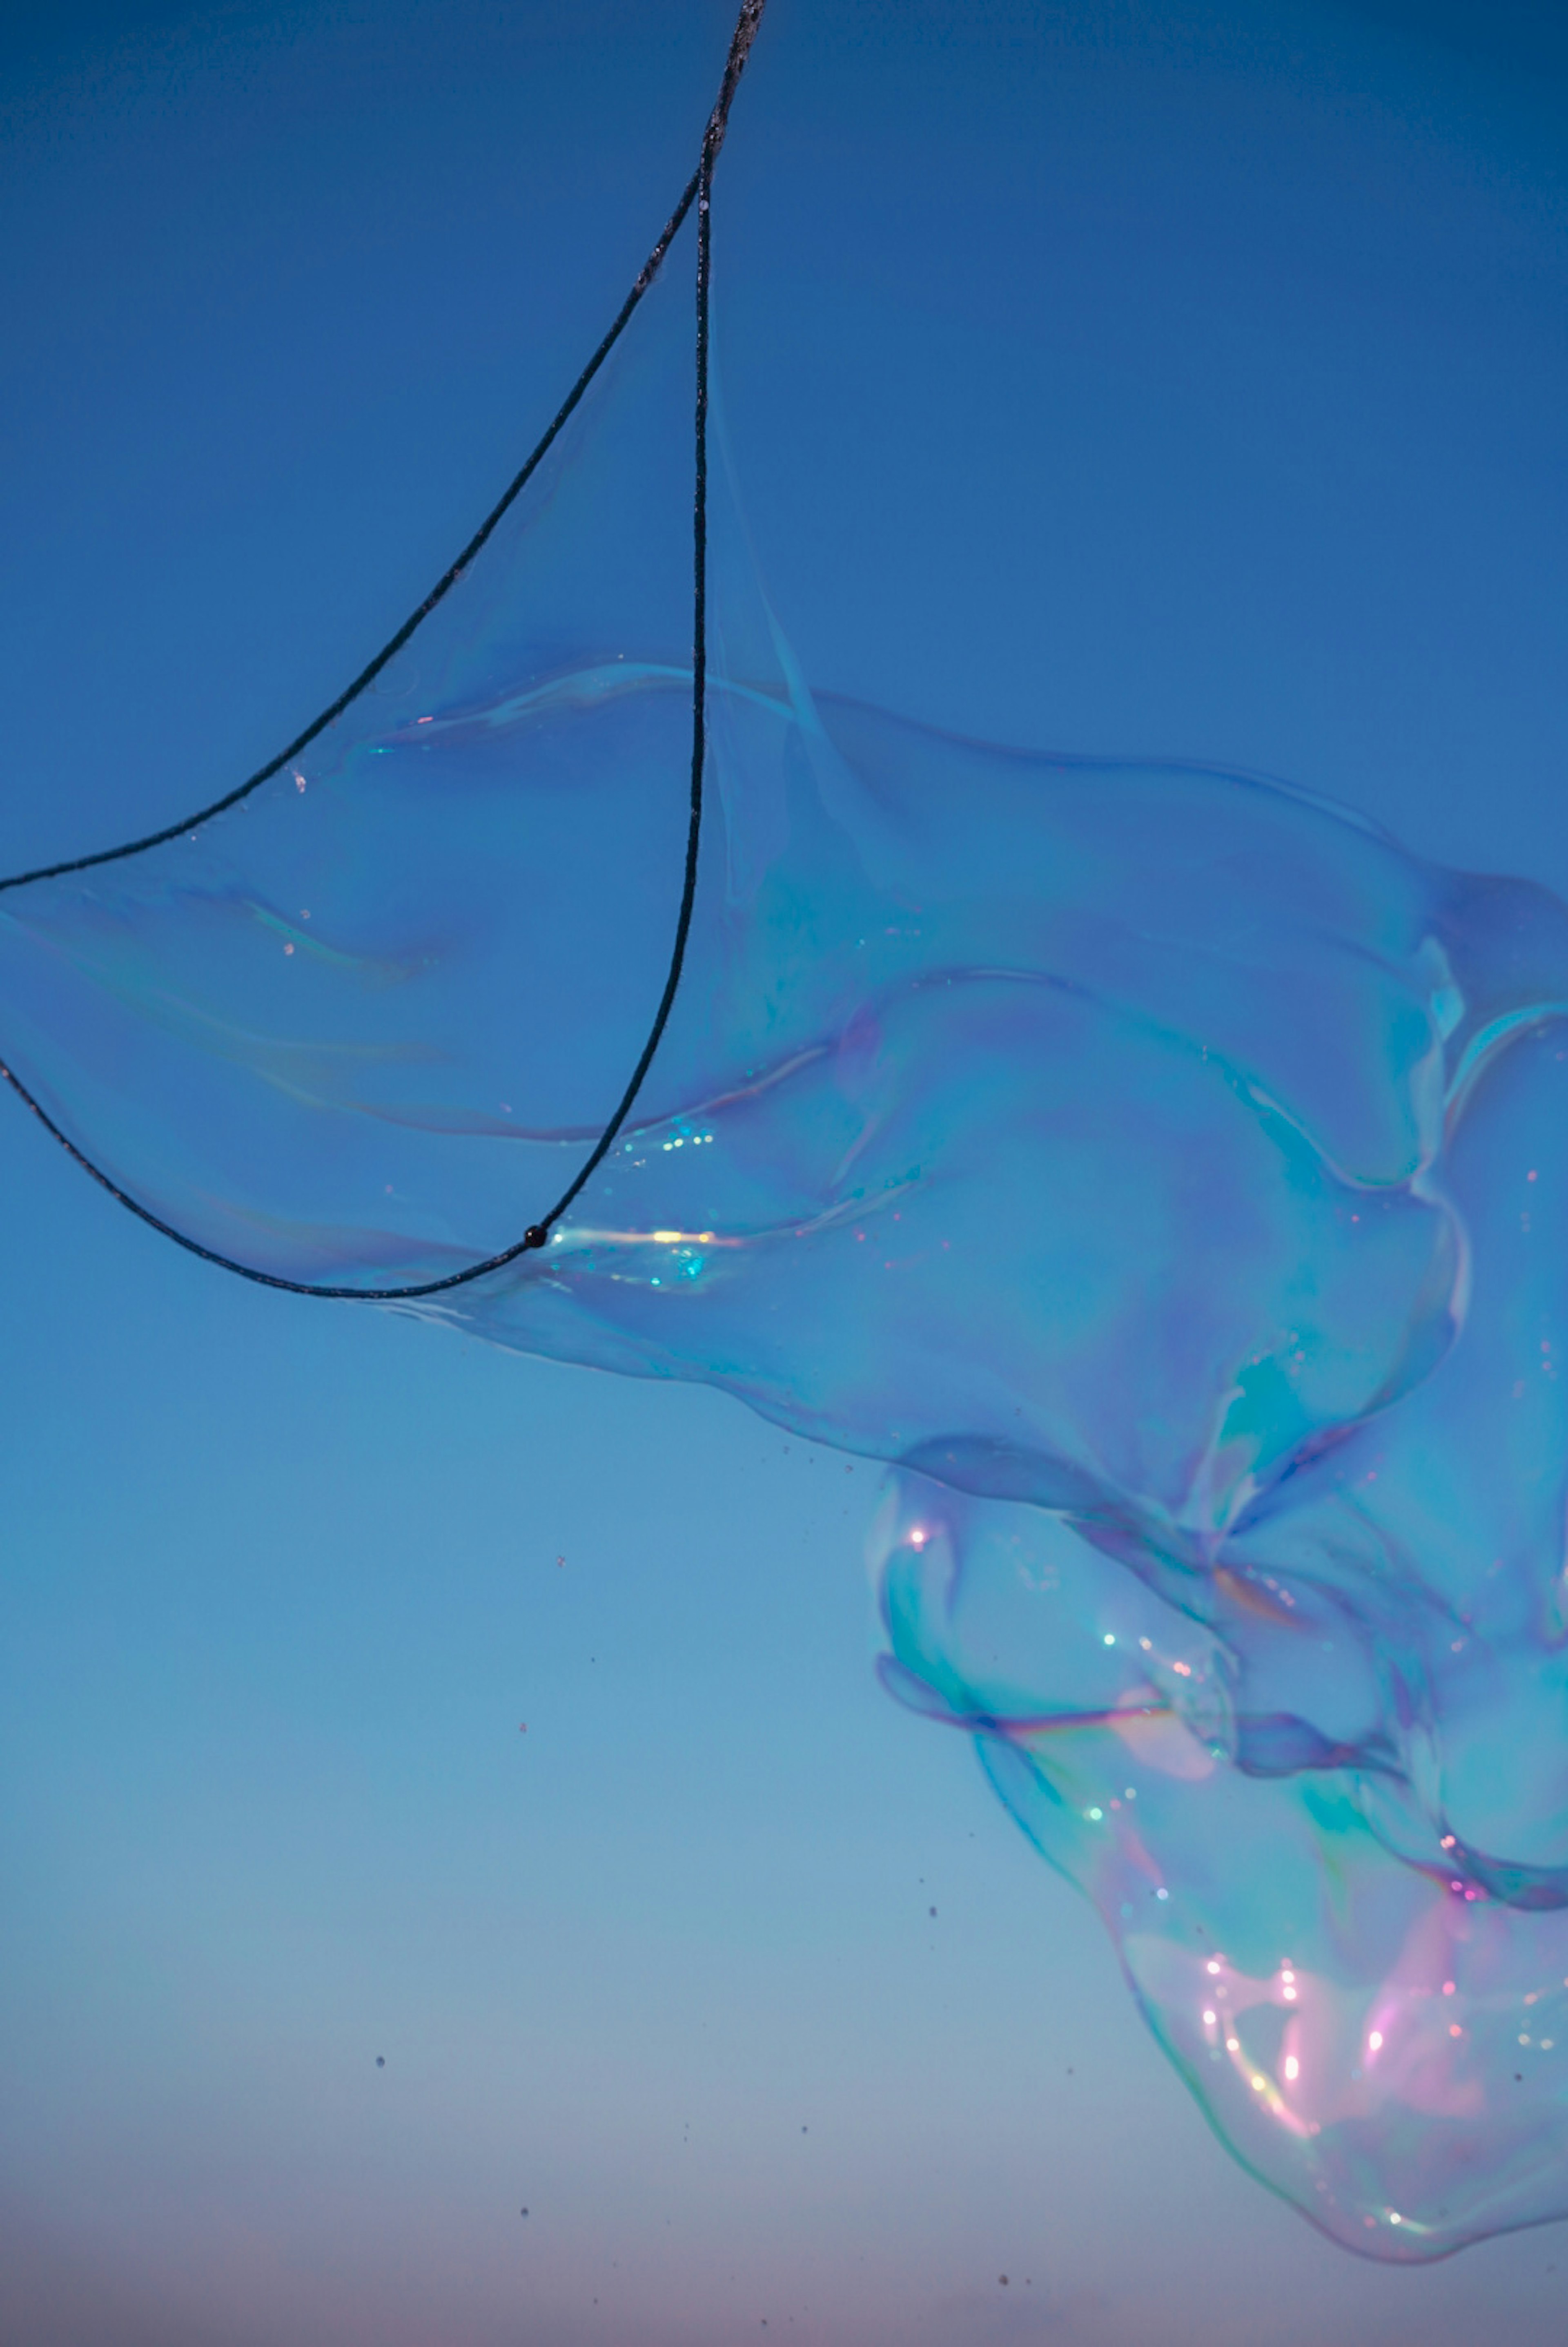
(1161, 1169)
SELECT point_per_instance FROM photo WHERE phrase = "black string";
(698, 189)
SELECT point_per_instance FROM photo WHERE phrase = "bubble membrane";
(1158, 1168)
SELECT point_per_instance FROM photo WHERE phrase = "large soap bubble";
(1161, 1169)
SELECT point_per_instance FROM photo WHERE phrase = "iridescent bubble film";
(1162, 1170)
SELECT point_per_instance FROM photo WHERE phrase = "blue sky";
(1184, 380)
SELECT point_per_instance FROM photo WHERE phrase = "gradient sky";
(1173, 376)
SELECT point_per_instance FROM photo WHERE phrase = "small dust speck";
(381, 2061)
(1003, 2279)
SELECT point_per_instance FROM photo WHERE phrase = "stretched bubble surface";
(1162, 1171)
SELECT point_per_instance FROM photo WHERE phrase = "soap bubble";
(1159, 1169)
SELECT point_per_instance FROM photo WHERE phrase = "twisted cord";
(698, 189)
